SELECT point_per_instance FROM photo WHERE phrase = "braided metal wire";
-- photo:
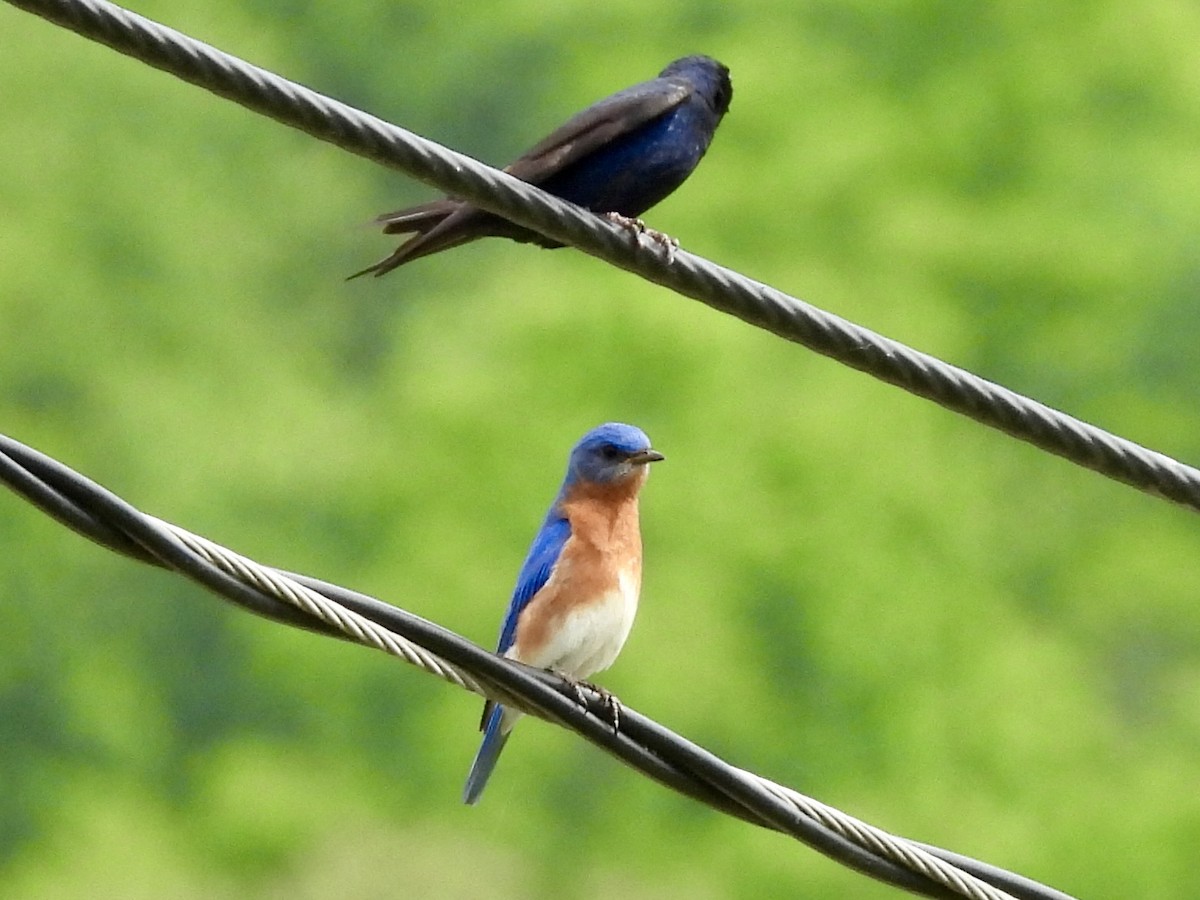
(357, 627)
(721, 288)
(667, 757)
(897, 849)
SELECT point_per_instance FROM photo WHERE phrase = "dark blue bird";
(621, 155)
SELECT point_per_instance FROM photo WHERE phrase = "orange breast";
(580, 618)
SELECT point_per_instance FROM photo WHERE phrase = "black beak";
(646, 456)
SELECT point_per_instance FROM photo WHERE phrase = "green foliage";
(847, 589)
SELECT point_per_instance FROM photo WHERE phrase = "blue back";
(635, 171)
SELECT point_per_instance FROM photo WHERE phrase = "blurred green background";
(928, 624)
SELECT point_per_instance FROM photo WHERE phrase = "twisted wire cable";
(668, 758)
(719, 287)
(356, 627)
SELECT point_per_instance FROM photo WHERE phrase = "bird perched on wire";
(620, 156)
(577, 591)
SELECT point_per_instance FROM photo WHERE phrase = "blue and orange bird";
(577, 592)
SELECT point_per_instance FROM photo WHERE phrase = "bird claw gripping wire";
(607, 698)
(640, 230)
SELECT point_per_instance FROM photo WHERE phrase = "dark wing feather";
(440, 226)
(417, 218)
(599, 124)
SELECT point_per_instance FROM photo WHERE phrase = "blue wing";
(535, 571)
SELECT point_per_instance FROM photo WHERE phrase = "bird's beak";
(646, 456)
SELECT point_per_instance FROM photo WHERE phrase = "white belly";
(591, 635)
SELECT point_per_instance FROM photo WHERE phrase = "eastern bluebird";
(621, 155)
(577, 591)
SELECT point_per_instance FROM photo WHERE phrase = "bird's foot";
(637, 226)
(641, 230)
(610, 701)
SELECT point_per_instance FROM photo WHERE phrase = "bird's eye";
(610, 453)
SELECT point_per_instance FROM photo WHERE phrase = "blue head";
(609, 454)
(710, 78)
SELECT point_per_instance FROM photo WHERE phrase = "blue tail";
(485, 760)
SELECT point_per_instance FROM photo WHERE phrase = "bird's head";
(710, 78)
(609, 454)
